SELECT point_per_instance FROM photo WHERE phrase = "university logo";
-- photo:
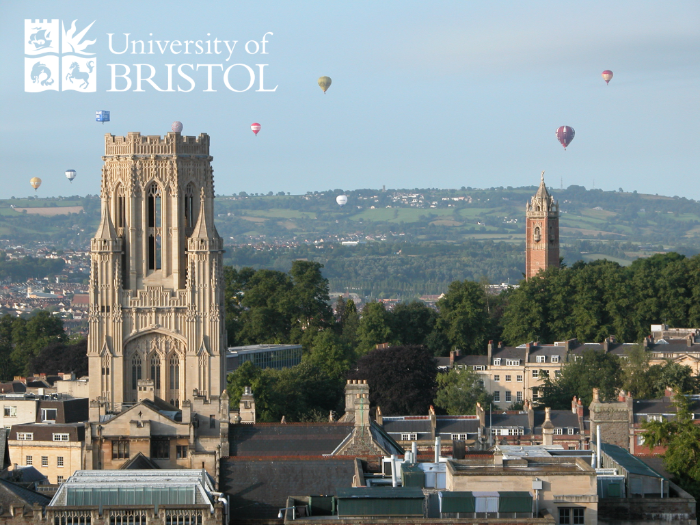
(56, 59)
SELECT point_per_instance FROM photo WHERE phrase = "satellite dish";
(177, 126)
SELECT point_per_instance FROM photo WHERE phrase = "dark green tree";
(464, 318)
(374, 328)
(458, 391)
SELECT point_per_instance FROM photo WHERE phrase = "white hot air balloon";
(342, 200)
(177, 126)
(70, 175)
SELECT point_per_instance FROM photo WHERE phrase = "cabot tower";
(541, 232)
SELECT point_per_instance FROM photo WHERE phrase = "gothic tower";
(156, 292)
(541, 232)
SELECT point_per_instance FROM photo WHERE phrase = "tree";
(635, 373)
(578, 378)
(459, 390)
(60, 357)
(464, 317)
(374, 327)
(331, 354)
(412, 322)
(681, 437)
(309, 298)
(674, 376)
(401, 378)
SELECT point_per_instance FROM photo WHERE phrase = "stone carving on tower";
(156, 317)
(541, 232)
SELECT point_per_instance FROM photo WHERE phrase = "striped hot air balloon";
(565, 134)
(70, 175)
(607, 76)
(255, 127)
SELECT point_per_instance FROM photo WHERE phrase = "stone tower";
(541, 232)
(156, 292)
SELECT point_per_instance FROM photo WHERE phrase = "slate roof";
(139, 462)
(11, 494)
(644, 407)
(259, 488)
(559, 418)
(456, 425)
(290, 439)
(548, 350)
(508, 352)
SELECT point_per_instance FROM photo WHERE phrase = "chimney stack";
(547, 428)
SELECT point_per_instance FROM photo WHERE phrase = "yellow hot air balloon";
(35, 182)
(325, 83)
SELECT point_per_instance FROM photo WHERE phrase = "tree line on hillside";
(20, 270)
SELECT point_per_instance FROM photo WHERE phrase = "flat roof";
(250, 349)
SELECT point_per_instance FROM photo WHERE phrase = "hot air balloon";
(255, 127)
(565, 134)
(102, 116)
(177, 126)
(342, 200)
(35, 182)
(607, 76)
(325, 83)
(70, 175)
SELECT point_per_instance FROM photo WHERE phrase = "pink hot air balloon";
(607, 75)
(565, 134)
(255, 127)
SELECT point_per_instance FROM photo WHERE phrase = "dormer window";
(555, 359)
(512, 362)
(541, 359)
(497, 361)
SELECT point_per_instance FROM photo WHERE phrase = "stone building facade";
(156, 312)
(541, 232)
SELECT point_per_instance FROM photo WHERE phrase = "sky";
(424, 94)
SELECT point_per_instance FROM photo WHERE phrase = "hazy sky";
(424, 94)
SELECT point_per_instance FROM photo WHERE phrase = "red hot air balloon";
(607, 76)
(565, 134)
(255, 127)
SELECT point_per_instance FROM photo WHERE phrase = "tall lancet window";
(154, 223)
(155, 371)
(174, 379)
(189, 206)
(135, 372)
(120, 206)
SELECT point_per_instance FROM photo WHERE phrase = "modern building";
(263, 356)
(172, 497)
(541, 232)
(157, 340)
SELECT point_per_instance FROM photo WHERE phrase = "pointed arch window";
(120, 207)
(155, 371)
(174, 372)
(189, 206)
(154, 206)
(135, 371)
(537, 235)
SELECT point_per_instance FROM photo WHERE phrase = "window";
(497, 361)
(571, 516)
(49, 414)
(59, 461)
(409, 437)
(557, 373)
(458, 437)
(61, 437)
(496, 396)
(181, 451)
(541, 358)
(59, 479)
(535, 373)
(154, 221)
(479, 367)
(10, 411)
(655, 417)
(496, 377)
(519, 378)
(155, 371)
(212, 422)
(25, 436)
(640, 439)
(135, 371)
(120, 449)
(508, 378)
(160, 448)
(518, 396)
(28, 461)
(508, 397)
(189, 206)
(558, 431)
(570, 431)
(44, 461)
(512, 362)
(555, 359)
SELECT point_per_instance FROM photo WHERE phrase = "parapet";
(172, 144)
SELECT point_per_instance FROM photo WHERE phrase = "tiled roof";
(290, 439)
(457, 425)
(508, 352)
(11, 494)
(259, 488)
